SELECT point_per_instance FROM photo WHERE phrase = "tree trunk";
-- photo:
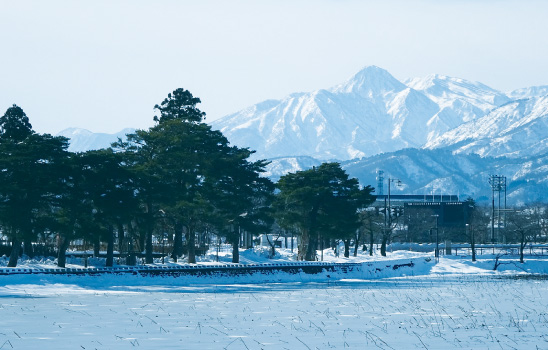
(121, 238)
(346, 248)
(14, 255)
(371, 243)
(311, 249)
(302, 249)
(141, 240)
(96, 246)
(496, 262)
(383, 245)
(110, 246)
(61, 255)
(236, 251)
(28, 249)
(357, 244)
(191, 245)
(272, 249)
(371, 238)
(149, 259)
(150, 229)
(521, 249)
(178, 242)
(473, 245)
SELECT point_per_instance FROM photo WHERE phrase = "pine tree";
(240, 195)
(179, 105)
(320, 203)
(166, 162)
(29, 177)
(15, 125)
(108, 186)
(187, 173)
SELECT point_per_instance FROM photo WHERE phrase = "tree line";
(180, 176)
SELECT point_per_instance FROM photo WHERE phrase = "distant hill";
(82, 140)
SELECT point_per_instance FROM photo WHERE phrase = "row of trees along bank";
(179, 176)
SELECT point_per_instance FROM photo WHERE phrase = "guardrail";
(232, 269)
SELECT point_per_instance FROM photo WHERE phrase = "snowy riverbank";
(399, 263)
(453, 303)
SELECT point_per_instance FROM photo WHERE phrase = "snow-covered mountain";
(459, 100)
(81, 140)
(517, 129)
(368, 114)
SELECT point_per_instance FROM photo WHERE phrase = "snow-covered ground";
(453, 303)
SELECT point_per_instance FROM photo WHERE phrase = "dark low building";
(422, 218)
(423, 213)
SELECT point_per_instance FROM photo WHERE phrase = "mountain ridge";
(370, 113)
(81, 140)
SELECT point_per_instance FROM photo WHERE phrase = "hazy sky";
(103, 65)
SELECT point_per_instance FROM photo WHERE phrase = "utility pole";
(437, 252)
(388, 214)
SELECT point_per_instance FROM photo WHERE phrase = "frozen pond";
(430, 312)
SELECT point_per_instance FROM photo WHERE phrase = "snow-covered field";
(445, 305)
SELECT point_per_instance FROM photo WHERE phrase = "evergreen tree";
(29, 183)
(167, 165)
(15, 125)
(73, 210)
(140, 159)
(188, 173)
(186, 152)
(179, 105)
(111, 193)
(241, 197)
(29, 178)
(320, 203)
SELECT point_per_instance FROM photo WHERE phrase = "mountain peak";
(444, 90)
(69, 132)
(370, 80)
(372, 70)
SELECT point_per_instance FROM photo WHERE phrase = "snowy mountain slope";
(370, 113)
(533, 91)
(516, 129)
(283, 165)
(82, 140)
(459, 100)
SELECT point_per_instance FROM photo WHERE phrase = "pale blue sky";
(102, 65)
